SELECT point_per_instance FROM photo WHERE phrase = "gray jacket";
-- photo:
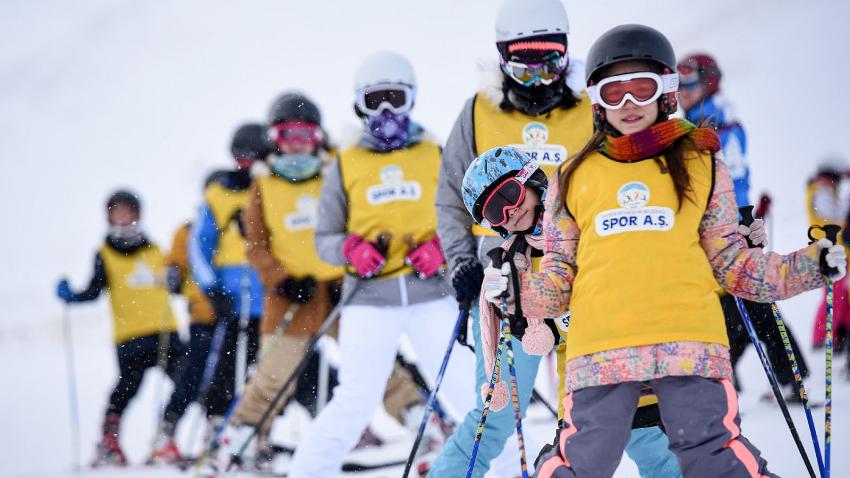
(453, 220)
(330, 233)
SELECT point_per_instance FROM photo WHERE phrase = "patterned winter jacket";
(747, 273)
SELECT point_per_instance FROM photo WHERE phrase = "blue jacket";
(717, 110)
(203, 242)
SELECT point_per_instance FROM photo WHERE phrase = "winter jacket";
(133, 276)
(236, 278)
(454, 223)
(264, 257)
(200, 310)
(719, 113)
(748, 273)
(332, 230)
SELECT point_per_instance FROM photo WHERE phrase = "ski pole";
(831, 231)
(506, 331)
(242, 334)
(548, 406)
(429, 407)
(496, 257)
(774, 384)
(73, 404)
(747, 219)
(299, 369)
(162, 364)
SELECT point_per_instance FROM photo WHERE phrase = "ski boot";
(109, 452)
(368, 439)
(264, 456)
(165, 450)
(221, 455)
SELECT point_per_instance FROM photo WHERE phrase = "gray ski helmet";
(123, 196)
(250, 142)
(294, 107)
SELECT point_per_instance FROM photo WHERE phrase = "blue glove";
(64, 292)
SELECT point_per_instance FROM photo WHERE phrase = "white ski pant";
(368, 341)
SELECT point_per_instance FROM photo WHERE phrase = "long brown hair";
(674, 163)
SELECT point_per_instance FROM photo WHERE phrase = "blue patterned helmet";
(490, 169)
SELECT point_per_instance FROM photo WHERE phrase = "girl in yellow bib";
(377, 218)
(640, 229)
(132, 270)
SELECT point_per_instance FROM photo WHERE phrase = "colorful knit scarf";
(650, 141)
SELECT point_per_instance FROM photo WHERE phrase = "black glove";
(299, 291)
(466, 280)
(221, 302)
(174, 279)
(335, 292)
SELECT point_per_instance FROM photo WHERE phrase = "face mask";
(296, 167)
(392, 129)
(130, 234)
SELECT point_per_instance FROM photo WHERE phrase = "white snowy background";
(98, 94)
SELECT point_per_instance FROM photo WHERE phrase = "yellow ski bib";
(226, 205)
(392, 192)
(137, 293)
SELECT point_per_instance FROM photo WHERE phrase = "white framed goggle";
(395, 97)
(641, 88)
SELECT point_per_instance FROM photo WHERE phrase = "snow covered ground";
(97, 94)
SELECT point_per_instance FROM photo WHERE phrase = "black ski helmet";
(294, 107)
(250, 142)
(123, 196)
(631, 42)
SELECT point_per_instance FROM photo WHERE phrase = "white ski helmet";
(529, 18)
(384, 67)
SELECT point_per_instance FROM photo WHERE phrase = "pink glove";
(426, 259)
(363, 255)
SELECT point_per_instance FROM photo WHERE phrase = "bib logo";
(634, 214)
(142, 276)
(393, 187)
(304, 216)
(534, 137)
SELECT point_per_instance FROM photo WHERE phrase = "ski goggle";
(395, 97)
(545, 71)
(505, 197)
(296, 132)
(641, 88)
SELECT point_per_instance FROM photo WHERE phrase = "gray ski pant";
(699, 414)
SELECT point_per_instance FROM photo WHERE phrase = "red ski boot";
(109, 452)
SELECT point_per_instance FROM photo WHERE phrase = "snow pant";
(648, 447)
(840, 317)
(137, 355)
(499, 427)
(186, 388)
(368, 341)
(701, 413)
(764, 323)
(281, 357)
(222, 389)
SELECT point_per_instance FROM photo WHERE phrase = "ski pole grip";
(831, 233)
(747, 219)
(495, 255)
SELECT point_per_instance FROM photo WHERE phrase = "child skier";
(219, 266)
(131, 269)
(377, 218)
(703, 101)
(201, 331)
(824, 205)
(640, 228)
(503, 188)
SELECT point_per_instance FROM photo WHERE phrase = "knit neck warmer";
(651, 141)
